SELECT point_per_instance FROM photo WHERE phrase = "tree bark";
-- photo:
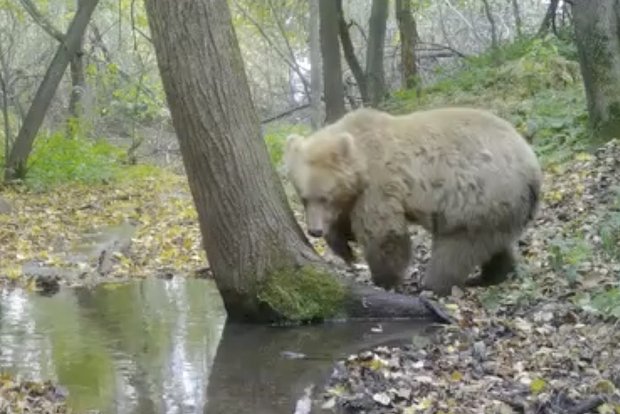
(332, 68)
(517, 15)
(315, 65)
(408, 40)
(597, 34)
(249, 232)
(375, 76)
(5, 116)
(349, 53)
(16, 164)
(78, 82)
(549, 19)
(491, 19)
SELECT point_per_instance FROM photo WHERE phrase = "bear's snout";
(315, 232)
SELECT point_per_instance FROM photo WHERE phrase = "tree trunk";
(78, 81)
(408, 39)
(332, 68)
(264, 267)
(315, 65)
(5, 116)
(549, 19)
(517, 15)
(597, 34)
(349, 53)
(491, 19)
(16, 164)
(375, 78)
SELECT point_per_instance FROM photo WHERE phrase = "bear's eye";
(322, 200)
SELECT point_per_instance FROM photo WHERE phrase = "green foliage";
(567, 255)
(56, 160)
(537, 87)
(604, 302)
(275, 138)
(302, 295)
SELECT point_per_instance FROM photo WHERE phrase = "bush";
(56, 160)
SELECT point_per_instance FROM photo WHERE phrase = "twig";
(437, 310)
(285, 113)
(587, 405)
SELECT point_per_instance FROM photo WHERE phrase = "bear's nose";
(315, 232)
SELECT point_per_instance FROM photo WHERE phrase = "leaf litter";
(546, 341)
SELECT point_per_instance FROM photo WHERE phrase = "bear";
(463, 174)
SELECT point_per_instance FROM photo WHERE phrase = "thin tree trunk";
(549, 19)
(5, 117)
(16, 164)
(375, 77)
(491, 19)
(597, 34)
(517, 15)
(349, 53)
(78, 82)
(332, 68)
(249, 233)
(315, 65)
(408, 40)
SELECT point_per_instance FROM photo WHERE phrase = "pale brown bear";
(465, 175)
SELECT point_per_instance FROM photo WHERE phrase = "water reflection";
(135, 348)
(152, 347)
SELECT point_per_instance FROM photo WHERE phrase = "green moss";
(303, 294)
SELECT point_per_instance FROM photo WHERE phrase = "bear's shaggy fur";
(465, 175)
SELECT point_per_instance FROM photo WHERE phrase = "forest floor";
(545, 342)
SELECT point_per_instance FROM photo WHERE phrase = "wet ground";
(162, 346)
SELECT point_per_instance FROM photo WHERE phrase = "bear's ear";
(345, 145)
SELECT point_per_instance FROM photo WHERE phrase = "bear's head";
(327, 172)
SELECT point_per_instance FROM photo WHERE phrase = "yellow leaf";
(605, 386)
(583, 156)
(452, 306)
(456, 376)
(537, 385)
(13, 272)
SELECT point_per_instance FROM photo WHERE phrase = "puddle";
(162, 346)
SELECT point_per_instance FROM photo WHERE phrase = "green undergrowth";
(275, 137)
(304, 295)
(56, 160)
(537, 86)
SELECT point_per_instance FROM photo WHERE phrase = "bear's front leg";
(379, 223)
(338, 236)
(388, 257)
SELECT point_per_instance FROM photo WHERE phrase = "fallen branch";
(369, 302)
(285, 113)
(440, 46)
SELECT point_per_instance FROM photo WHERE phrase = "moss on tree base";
(304, 294)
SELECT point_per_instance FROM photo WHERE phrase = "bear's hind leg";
(497, 268)
(452, 260)
(388, 258)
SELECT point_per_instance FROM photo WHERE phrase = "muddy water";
(162, 346)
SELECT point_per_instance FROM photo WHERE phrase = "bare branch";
(41, 20)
